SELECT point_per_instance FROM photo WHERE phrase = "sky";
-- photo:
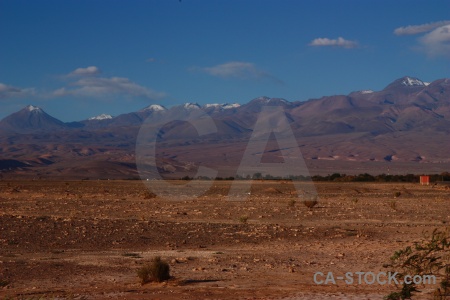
(78, 59)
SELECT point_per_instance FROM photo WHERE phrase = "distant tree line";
(335, 177)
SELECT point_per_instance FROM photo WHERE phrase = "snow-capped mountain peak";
(101, 117)
(262, 99)
(189, 105)
(232, 105)
(222, 105)
(268, 100)
(33, 108)
(30, 119)
(410, 81)
(407, 82)
(366, 92)
(154, 107)
(212, 105)
(278, 100)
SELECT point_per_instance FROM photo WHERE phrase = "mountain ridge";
(406, 81)
(406, 122)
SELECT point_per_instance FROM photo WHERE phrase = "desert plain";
(87, 239)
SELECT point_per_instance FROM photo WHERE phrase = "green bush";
(430, 256)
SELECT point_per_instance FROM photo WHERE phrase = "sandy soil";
(86, 239)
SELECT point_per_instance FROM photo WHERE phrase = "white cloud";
(339, 42)
(102, 86)
(87, 82)
(8, 91)
(239, 70)
(437, 42)
(416, 29)
(61, 92)
(89, 71)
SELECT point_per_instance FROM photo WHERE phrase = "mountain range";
(403, 128)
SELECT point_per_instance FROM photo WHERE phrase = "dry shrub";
(149, 195)
(272, 190)
(243, 219)
(311, 202)
(131, 254)
(3, 283)
(158, 270)
(393, 205)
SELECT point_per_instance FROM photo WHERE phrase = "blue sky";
(77, 59)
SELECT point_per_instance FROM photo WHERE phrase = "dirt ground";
(86, 239)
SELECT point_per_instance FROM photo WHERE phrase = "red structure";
(425, 180)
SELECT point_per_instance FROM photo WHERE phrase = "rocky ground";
(86, 239)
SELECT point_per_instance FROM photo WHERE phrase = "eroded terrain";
(86, 239)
